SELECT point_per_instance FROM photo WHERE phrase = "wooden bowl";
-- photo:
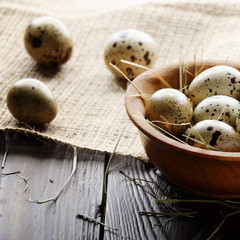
(205, 172)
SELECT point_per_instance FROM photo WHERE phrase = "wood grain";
(47, 166)
(126, 199)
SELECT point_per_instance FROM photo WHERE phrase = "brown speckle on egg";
(146, 57)
(215, 137)
(129, 71)
(133, 58)
(36, 42)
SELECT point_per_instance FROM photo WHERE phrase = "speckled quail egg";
(218, 107)
(216, 134)
(170, 109)
(30, 101)
(131, 45)
(218, 80)
(48, 41)
(238, 122)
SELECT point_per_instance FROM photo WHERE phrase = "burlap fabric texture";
(90, 99)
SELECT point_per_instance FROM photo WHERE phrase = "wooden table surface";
(43, 167)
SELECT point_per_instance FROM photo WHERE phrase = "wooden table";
(43, 167)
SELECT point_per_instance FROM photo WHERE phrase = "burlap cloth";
(91, 101)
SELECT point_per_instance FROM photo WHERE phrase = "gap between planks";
(104, 197)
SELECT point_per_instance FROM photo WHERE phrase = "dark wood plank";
(47, 165)
(125, 199)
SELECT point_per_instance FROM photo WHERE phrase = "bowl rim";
(144, 127)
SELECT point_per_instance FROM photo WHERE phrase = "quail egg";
(218, 107)
(131, 45)
(30, 100)
(218, 80)
(216, 134)
(48, 41)
(170, 109)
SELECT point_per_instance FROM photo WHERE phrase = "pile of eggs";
(209, 117)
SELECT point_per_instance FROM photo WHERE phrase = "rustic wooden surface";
(47, 165)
